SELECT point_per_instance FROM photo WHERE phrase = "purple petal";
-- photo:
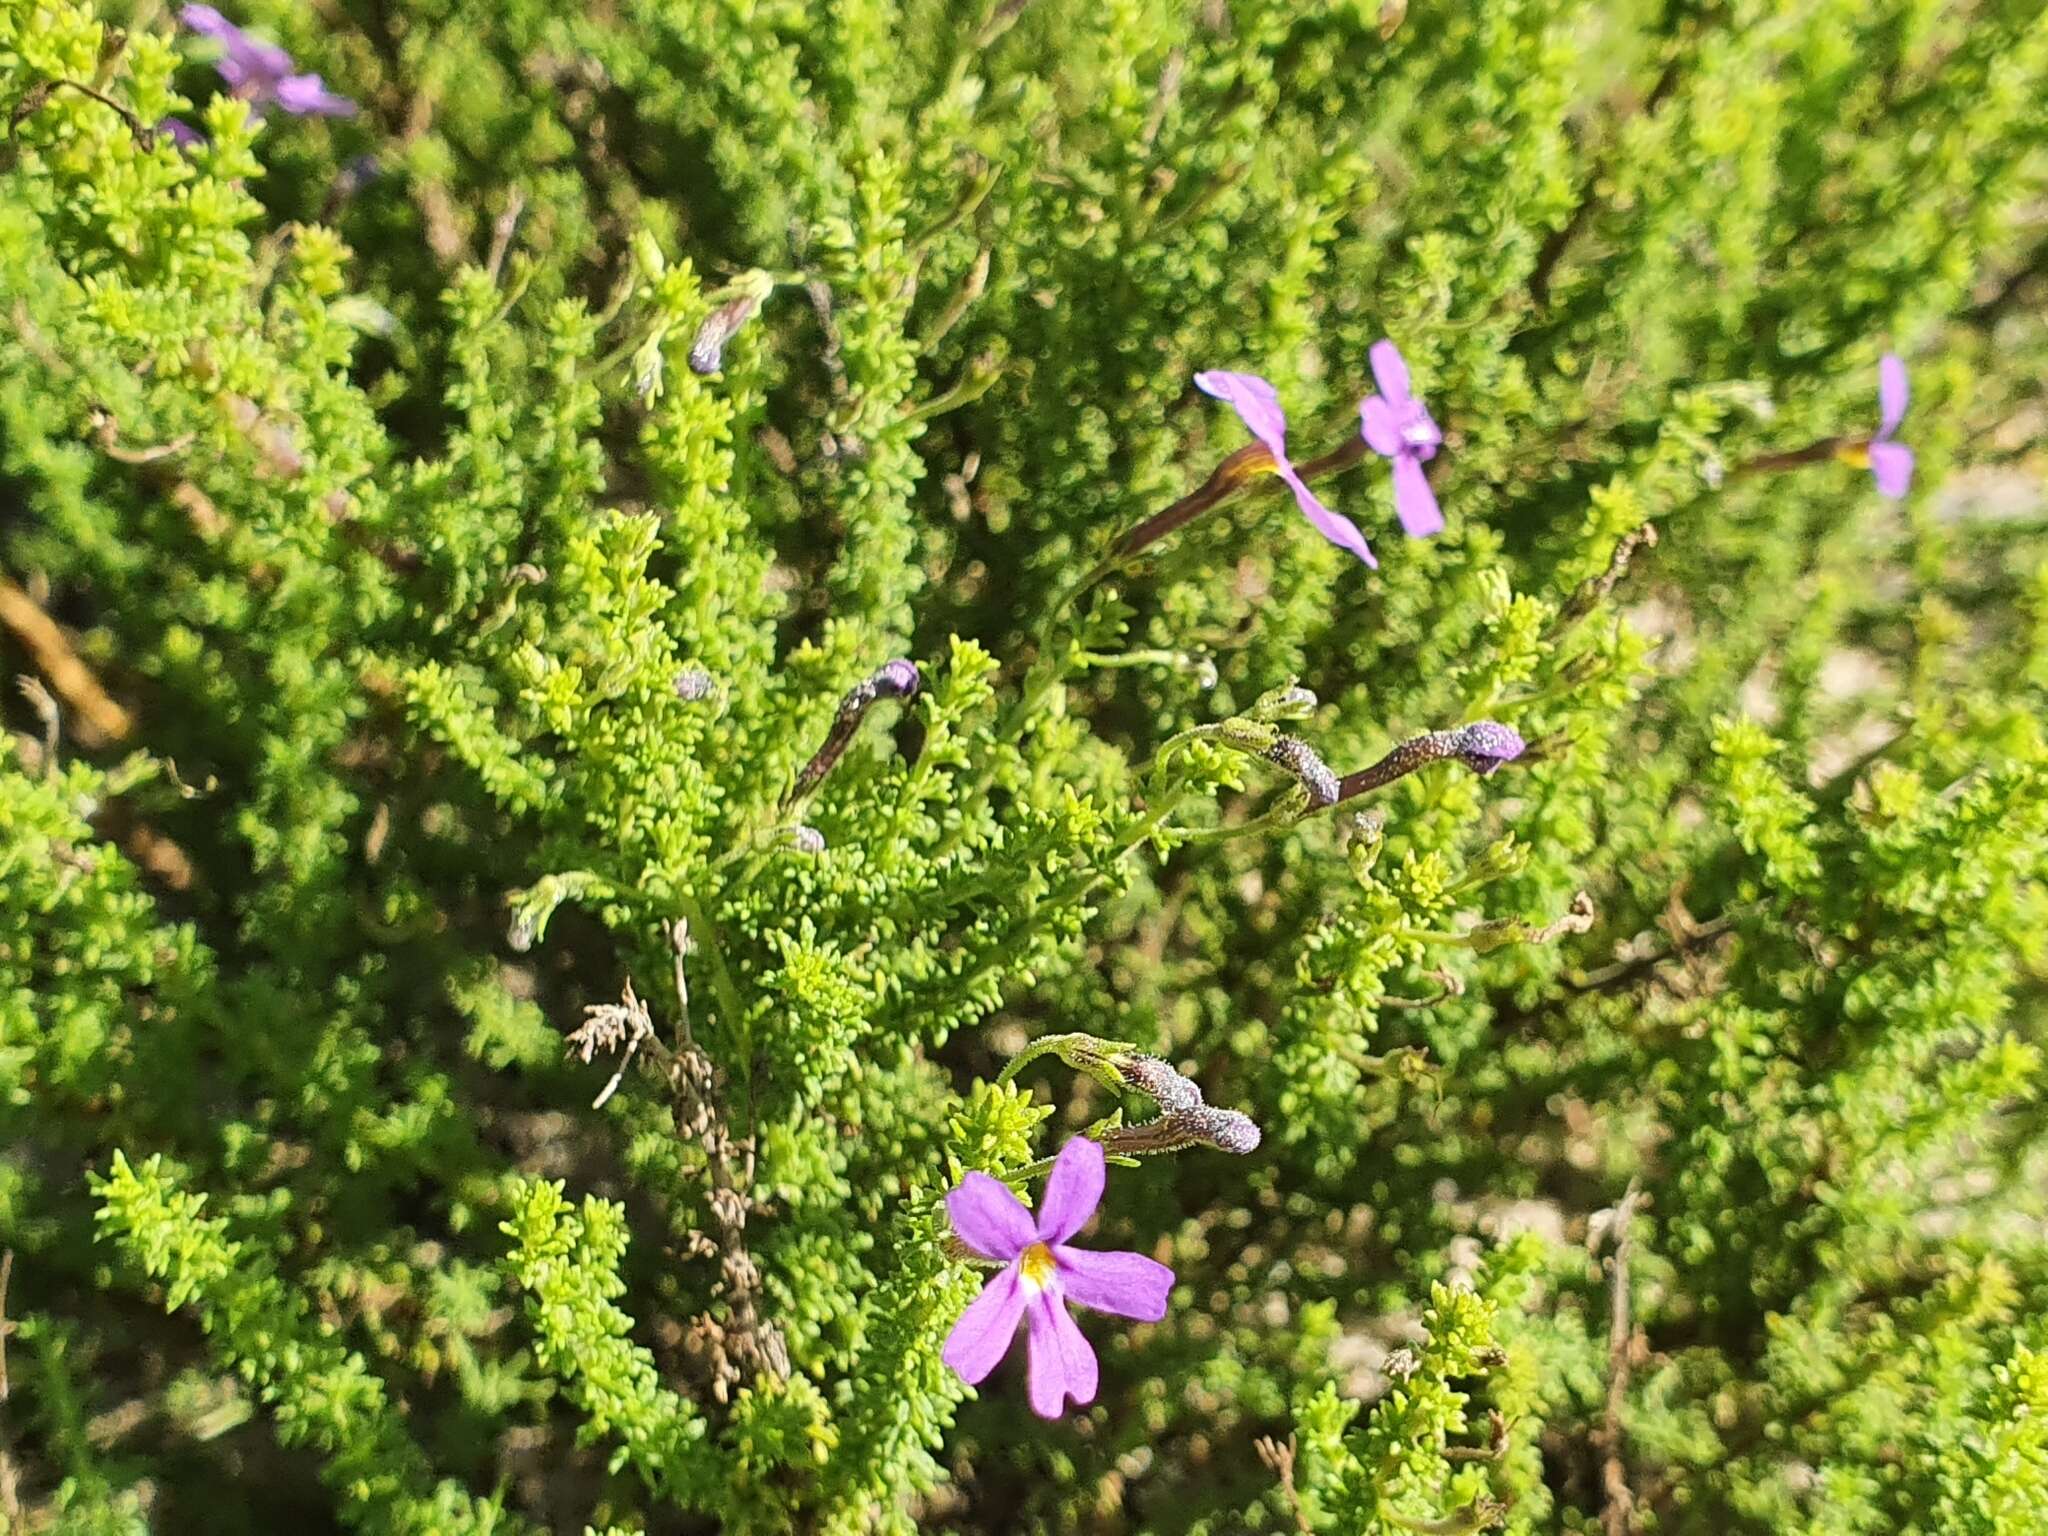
(1892, 395)
(1072, 1191)
(208, 22)
(982, 1337)
(1414, 502)
(989, 1219)
(1379, 426)
(1390, 371)
(246, 62)
(1334, 526)
(1255, 401)
(182, 134)
(308, 96)
(1891, 465)
(1062, 1364)
(1123, 1284)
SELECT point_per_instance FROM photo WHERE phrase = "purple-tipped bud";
(693, 685)
(1158, 1081)
(1482, 746)
(897, 679)
(1201, 1125)
(1485, 744)
(1227, 1130)
(743, 302)
(1309, 770)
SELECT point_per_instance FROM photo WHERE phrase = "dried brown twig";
(502, 229)
(746, 1344)
(1281, 1459)
(10, 1481)
(1619, 1508)
(6, 1328)
(97, 719)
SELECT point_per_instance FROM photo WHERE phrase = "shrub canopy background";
(357, 530)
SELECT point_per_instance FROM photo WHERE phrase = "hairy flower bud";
(1309, 770)
(1278, 705)
(1157, 1080)
(1199, 1125)
(743, 298)
(1482, 746)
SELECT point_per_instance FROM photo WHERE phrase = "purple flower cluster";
(1394, 424)
(1041, 1274)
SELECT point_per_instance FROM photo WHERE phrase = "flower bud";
(1278, 705)
(898, 679)
(742, 300)
(1318, 784)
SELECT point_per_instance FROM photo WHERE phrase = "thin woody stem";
(1812, 453)
(1224, 479)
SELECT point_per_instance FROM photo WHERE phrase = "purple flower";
(182, 134)
(1042, 1275)
(1891, 464)
(1397, 427)
(261, 73)
(1258, 406)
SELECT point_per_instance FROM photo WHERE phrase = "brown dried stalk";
(1616, 1514)
(97, 720)
(1281, 1459)
(746, 1345)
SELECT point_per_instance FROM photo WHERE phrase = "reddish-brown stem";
(1812, 453)
(1227, 477)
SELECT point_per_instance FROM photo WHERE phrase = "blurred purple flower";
(1397, 426)
(261, 73)
(1042, 1275)
(1258, 406)
(182, 134)
(1891, 463)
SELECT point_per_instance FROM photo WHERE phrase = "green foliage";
(467, 1063)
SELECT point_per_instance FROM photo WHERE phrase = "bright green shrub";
(427, 659)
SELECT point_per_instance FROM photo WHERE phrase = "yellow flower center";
(1036, 1266)
(1856, 454)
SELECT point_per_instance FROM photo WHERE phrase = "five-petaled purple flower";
(1258, 405)
(261, 73)
(1042, 1275)
(1891, 463)
(1397, 427)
